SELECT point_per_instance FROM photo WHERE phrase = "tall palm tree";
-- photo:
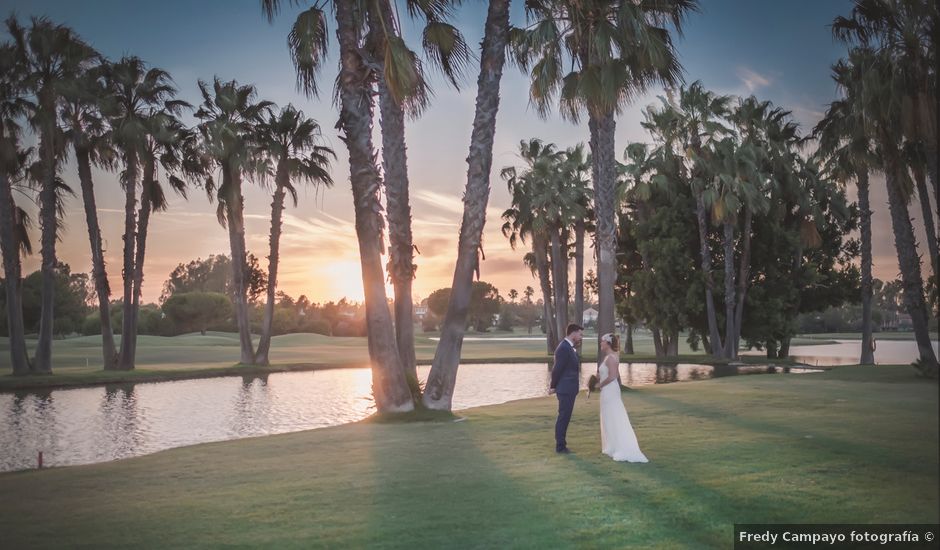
(291, 141)
(397, 73)
(616, 49)
(849, 155)
(389, 382)
(690, 123)
(882, 105)
(50, 56)
(529, 217)
(229, 116)
(403, 89)
(905, 31)
(770, 140)
(86, 129)
(732, 172)
(135, 92)
(636, 189)
(575, 173)
(442, 378)
(14, 238)
(167, 144)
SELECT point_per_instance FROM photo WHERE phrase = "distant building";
(589, 316)
(421, 312)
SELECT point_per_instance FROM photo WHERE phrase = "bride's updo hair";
(612, 340)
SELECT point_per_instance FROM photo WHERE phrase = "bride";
(617, 438)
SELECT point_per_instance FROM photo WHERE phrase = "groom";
(566, 380)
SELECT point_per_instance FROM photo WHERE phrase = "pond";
(847, 352)
(88, 425)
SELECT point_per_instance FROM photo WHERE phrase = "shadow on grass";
(449, 492)
(819, 444)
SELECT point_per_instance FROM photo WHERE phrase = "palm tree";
(902, 36)
(397, 73)
(50, 56)
(439, 388)
(14, 221)
(575, 172)
(402, 88)
(167, 144)
(135, 93)
(229, 116)
(88, 133)
(14, 241)
(530, 216)
(637, 189)
(882, 105)
(736, 187)
(905, 31)
(616, 49)
(292, 143)
(389, 382)
(692, 122)
(769, 140)
(849, 155)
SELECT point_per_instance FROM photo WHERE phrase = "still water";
(847, 352)
(88, 425)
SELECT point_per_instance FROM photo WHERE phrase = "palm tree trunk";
(130, 239)
(99, 274)
(717, 349)
(401, 265)
(559, 270)
(743, 277)
(235, 213)
(442, 378)
(277, 209)
(540, 249)
(389, 383)
(49, 227)
(794, 308)
(19, 357)
(579, 273)
(728, 242)
(909, 262)
(867, 356)
(602, 128)
(143, 225)
(920, 179)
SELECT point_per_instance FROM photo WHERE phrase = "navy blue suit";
(566, 380)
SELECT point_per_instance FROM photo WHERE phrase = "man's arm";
(557, 369)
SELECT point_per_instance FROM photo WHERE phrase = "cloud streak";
(753, 80)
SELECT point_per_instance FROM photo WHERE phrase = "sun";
(338, 279)
(341, 278)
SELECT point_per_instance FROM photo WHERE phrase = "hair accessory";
(608, 338)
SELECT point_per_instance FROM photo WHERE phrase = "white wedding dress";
(617, 438)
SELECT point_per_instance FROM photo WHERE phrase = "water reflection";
(847, 352)
(117, 426)
(86, 425)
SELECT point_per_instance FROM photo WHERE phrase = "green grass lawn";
(77, 361)
(854, 444)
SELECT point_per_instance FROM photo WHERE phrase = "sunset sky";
(779, 51)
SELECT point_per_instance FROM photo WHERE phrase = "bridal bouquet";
(592, 384)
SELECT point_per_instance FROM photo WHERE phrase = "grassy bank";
(159, 358)
(854, 444)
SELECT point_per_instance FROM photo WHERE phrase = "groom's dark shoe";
(564, 451)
